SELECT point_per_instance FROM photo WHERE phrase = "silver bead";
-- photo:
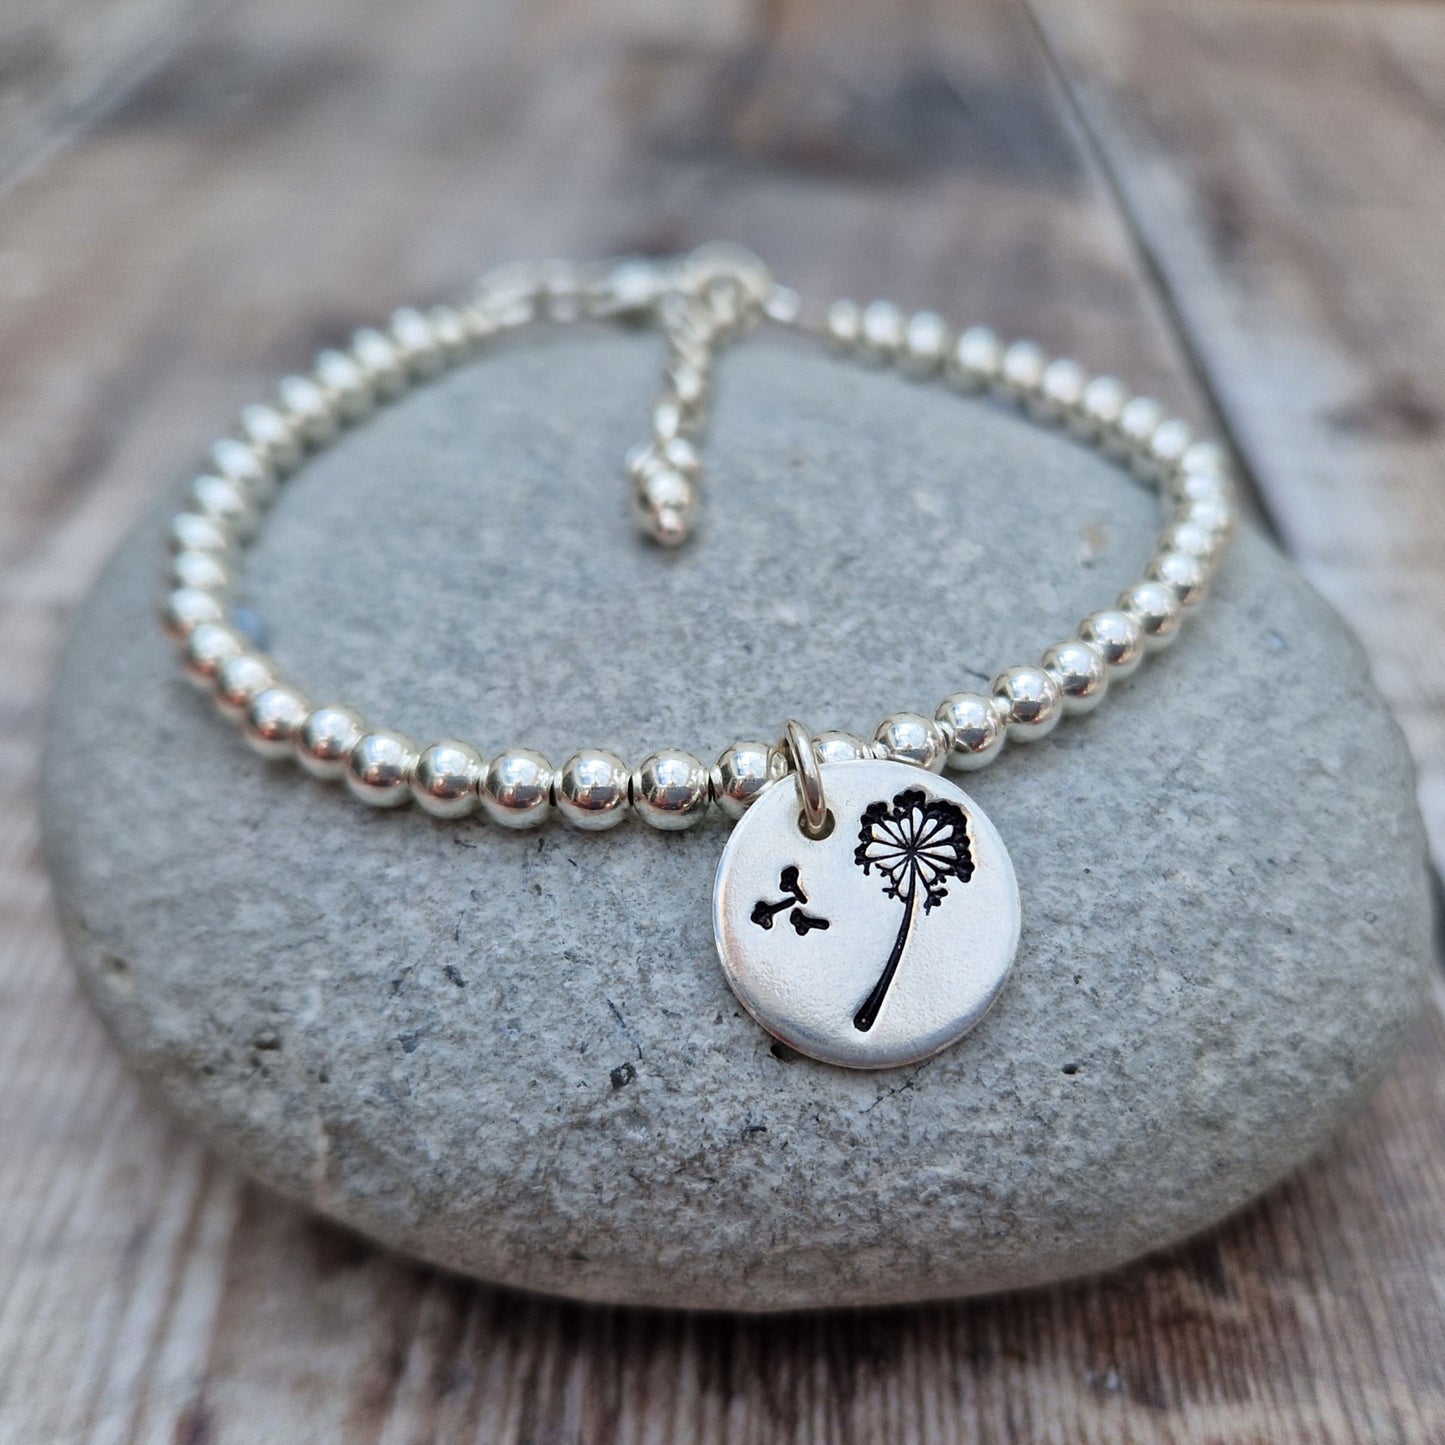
(668, 420)
(680, 454)
(1061, 390)
(1216, 518)
(207, 647)
(925, 343)
(1170, 441)
(783, 305)
(1189, 537)
(883, 330)
(664, 486)
(416, 343)
(666, 505)
(325, 739)
(592, 790)
(844, 324)
(975, 728)
(1081, 673)
(238, 679)
(205, 571)
(243, 464)
(445, 779)
(1030, 701)
(1022, 370)
(1185, 574)
(1205, 456)
(976, 360)
(1156, 609)
(311, 411)
(1117, 637)
(227, 503)
(1104, 400)
(275, 438)
(378, 769)
(516, 788)
(741, 772)
(676, 454)
(379, 361)
(1138, 422)
(840, 747)
(345, 383)
(272, 719)
(187, 607)
(192, 532)
(450, 332)
(1190, 487)
(670, 790)
(909, 737)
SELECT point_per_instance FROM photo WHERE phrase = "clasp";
(728, 280)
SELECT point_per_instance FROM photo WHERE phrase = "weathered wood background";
(1242, 205)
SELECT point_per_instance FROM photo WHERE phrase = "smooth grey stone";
(516, 1055)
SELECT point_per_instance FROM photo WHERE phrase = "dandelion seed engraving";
(803, 923)
(916, 846)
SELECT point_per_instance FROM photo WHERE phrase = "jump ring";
(808, 776)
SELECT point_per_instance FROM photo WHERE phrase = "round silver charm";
(880, 943)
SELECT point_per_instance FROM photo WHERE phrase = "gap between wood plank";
(1148, 262)
(62, 121)
(1151, 263)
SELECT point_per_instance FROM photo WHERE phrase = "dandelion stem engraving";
(916, 846)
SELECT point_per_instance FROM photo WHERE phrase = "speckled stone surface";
(516, 1055)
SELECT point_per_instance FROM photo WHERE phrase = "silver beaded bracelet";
(869, 853)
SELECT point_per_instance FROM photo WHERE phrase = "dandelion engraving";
(915, 846)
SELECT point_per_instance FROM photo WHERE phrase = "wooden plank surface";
(292, 169)
(63, 62)
(1289, 194)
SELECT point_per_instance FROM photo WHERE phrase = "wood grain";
(63, 62)
(292, 169)
(1281, 172)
